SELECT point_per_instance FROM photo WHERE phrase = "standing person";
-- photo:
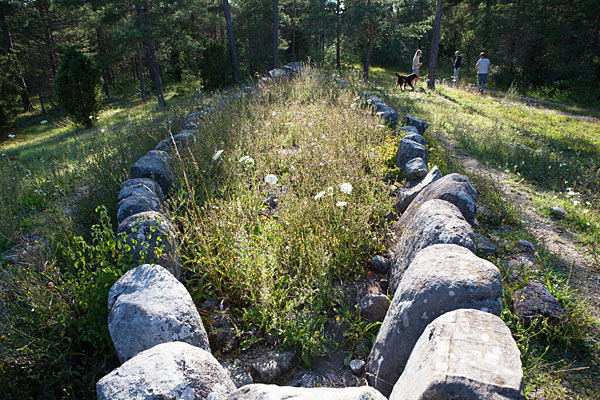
(417, 62)
(482, 67)
(457, 61)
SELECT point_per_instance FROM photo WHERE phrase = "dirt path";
(583, 272)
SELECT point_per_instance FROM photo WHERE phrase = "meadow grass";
(279, 265)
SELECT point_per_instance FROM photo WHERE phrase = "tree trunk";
(338, 28)
(101, 53)
(369, 51)
(140, 67)
(275, 33)
(435, 45)
(294, 16)
(153, 67)
(232, 50)
(21, 85)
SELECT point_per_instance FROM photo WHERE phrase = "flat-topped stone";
(274, 392)
(463, 354)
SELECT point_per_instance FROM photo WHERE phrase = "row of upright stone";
(442, 336)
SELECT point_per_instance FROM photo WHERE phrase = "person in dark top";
(457, 61)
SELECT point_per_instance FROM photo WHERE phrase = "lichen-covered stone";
(274, 392)
(155, 165)
(148, 306)
(464, 354)
(172, 370)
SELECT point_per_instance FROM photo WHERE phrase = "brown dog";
(403, 80)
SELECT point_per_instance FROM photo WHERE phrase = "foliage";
(55, 338)
(78, 86)
(215, 65)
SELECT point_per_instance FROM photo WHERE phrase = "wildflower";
(271, 179)
(346, 188)
(247, 160)
(330, 191)
(44, 122)
(319, 195)
(11, 136)
(218, 155)
(341, 204)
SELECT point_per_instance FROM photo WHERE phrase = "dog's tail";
(397, 74)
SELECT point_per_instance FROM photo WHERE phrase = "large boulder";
(407, 193)
(182, 139)
(172, 370)
(148, 306)
(155, 165)
(274, 392)
(436, 222)
(408, 150)
(464, 354)
(455, 188)
(412, 121)
(441, 278)
(406, 130)
(151, 238)
(415, 137)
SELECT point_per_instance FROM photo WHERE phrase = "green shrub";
(78, 86)
(215, 65)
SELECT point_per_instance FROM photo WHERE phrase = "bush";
(78, 86)
(215, 65)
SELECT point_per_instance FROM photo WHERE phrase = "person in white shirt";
(482, 67)
(417, 62)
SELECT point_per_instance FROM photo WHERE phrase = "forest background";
(548, 49)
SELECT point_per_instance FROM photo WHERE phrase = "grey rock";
(172, 370)
(412, 121)
(527, 245)
(374, 306)
(148, 306)
(455, 188)
(239, 375)
(140, 187)
(535, 300)
(182, 139)
(274, 392)
(379, 264)
(407, 193)
(409, 149)
(357, 367)
(155, 165)
(484, 245)
(388, 114)
(404, 130)
(277, 73)
(437, 221)
(294, 66)
(273, 365)
(558, 211)
(441, 278)
(464, 354)
(135, 204)
(415, 169)
(415, 137)
(151, 239)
